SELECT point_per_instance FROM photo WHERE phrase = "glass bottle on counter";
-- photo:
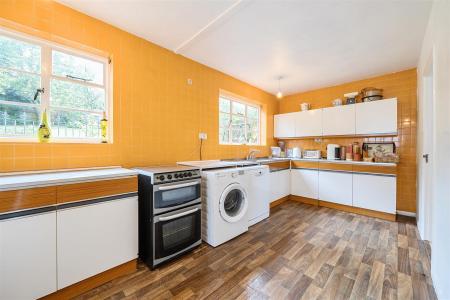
(104, 128)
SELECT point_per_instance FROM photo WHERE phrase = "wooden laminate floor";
(300, 252)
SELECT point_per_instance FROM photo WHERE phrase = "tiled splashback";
(321, 144)
(402, 85)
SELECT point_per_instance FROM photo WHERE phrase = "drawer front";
(96, 189)
(305, 164)
(27, 198)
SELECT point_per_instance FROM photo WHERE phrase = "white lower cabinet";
(335, 187)
(375, 192)
(280, 184)
(305, 183)
(94, 238)
(28, 256)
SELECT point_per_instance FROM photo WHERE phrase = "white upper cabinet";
(284, 125)
(377, 117)
(308, 123)
(338, 120)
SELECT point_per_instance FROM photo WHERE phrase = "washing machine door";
(233, 203)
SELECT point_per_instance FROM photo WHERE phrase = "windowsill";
(239, 144)
(53, 141)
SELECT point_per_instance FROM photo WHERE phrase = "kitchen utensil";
(312, 154)
(276, 151)
(350, 98)
(282, 145)
(337, 102)
(371, 91)
(296, 152)
(332, 152)
(289, 152)
(305, 106)
(372, 98)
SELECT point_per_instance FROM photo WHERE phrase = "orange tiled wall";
(157, 116)
(402, 85)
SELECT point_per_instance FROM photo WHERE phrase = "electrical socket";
(202, 136)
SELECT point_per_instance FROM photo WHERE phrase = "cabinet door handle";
(426, 156)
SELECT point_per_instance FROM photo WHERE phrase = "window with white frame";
(71, 86)
(239, 122)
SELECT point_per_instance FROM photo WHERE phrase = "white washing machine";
(225, 205)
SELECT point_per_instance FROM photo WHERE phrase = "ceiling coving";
(311, 43)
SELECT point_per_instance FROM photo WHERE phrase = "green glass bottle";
(44, 130)
(104, 128)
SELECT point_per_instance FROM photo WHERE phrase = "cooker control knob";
(169, 176)
(176, 175)
(161, 177)
(181, 175)
(185, 174)
(190, 174)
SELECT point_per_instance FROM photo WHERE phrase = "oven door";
(171, 196)
(176, 232)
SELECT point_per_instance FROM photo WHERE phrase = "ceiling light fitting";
(279, 93)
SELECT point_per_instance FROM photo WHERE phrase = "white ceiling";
(311, 43)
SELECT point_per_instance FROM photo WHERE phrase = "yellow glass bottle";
(104, 128)
(44, 130)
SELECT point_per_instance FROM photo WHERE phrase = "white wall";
(436, 45)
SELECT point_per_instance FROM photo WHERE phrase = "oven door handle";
(178, 215)
(177, 186)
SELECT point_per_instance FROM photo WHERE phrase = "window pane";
(78, 96)
(76, 67)
(19, 55)
(252, 137)
(252, 124)
(238, 134)
(252, 112)
(72, 124)
(237, 120)
(18, 120)
(224, 120)
(238, 108)
(19, 87)
(224, 135)
(224, 105)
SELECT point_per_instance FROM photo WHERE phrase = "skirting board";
(406, 213)
(90, 283)
(351, 209)
(279, 201)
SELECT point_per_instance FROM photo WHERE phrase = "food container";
(371, 94)
(372, 98)
(337, 102)
(343, 152)
(305, 106)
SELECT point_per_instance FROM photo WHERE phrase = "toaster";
(313, 154)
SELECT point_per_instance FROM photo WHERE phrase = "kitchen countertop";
(56, 177)
(274, 160)
(347, 162)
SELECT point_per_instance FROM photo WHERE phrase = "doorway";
(425, 159)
